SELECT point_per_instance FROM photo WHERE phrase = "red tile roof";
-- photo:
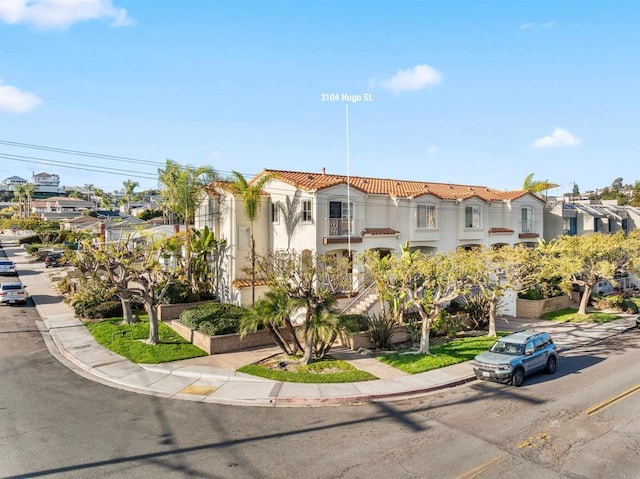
(394, 188)
(379, 231)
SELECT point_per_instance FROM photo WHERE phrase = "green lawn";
(128, 340)
(445, 354)
(320, 371)
(570, 315)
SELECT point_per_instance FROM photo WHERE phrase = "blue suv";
(515, 356)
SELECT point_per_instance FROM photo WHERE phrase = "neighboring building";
(47, 185)
(9, 183)
(61, 207)
(580, 217)
(343, 215)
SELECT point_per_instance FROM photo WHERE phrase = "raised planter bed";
(534, 308)
(225, 343)
(169, 312)
(361, 339)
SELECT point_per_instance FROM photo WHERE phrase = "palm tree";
(129, 187)
(536, 186)
(250, 193)
(181, 188)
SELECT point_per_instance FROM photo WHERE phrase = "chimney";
(324, 171)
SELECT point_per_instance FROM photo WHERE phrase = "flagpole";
(348, 189)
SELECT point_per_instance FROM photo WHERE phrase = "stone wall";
(534, 308)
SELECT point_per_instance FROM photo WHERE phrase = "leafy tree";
(495, 271)
(109, 265)
(310, 282)
(428, 282)
(251, 194)
(635, 195)
(576, 190)
(616, 185)
(584, 260)
(150, 279)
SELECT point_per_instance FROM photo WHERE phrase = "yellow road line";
(611, 401)
(476, 471)
(534, 441)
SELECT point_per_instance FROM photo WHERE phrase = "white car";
(7, 268)
(12, 292)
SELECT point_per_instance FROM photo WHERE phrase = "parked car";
(54, 259)
(515, 356)
(8, 268)
(12, 292)
(638, 322)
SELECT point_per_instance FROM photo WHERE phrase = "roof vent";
(450, 187)
(310, 177)
(366, 182)
(397, 183)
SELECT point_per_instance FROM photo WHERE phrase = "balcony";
(342, 230)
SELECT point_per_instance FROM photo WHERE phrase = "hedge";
(213, 318)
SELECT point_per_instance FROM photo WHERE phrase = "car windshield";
(503, 347)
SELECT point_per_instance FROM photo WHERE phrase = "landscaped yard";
(128, 340)
(320, 371)
(445, 354)
(570, 315)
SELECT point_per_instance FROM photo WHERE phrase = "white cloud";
(13, 100)
(558, 138)
(60, 14)
(432, 150)
(539, 26)
(416, 78)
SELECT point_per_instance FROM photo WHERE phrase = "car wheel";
(552, 363)
(518, 377)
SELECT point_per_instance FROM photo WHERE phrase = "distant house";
(60, 207)
(47, 185)
(9, 183)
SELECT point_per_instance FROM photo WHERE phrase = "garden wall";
(169, 312)
(225, 343)
(534, 308)
(361, 339)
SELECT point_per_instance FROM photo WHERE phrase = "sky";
(467, 92)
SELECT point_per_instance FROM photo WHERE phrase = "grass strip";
(340, 372)
(445, 354)
(128, 340)
(570, 315)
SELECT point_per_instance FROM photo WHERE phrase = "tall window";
(306, 211)
(472, 217)
(275, 213)
(527, 220)
(426, 216)
(340, 216)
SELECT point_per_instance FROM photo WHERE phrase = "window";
(340, 218)
(472, 217)
(426, 216)
(306, 211)
(275, 212)
(527, 220)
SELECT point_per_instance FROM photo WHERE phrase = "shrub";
(544, 290)
(108, 309)
(477, 307)
(380, 329)
(446, 325)
(178, 293)
(630, 306)
(219, 326)
(222, 316)
(355, 322)
(614, 302)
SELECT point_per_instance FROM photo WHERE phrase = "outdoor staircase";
(363, 302)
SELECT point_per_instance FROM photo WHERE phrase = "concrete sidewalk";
(214, 378)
